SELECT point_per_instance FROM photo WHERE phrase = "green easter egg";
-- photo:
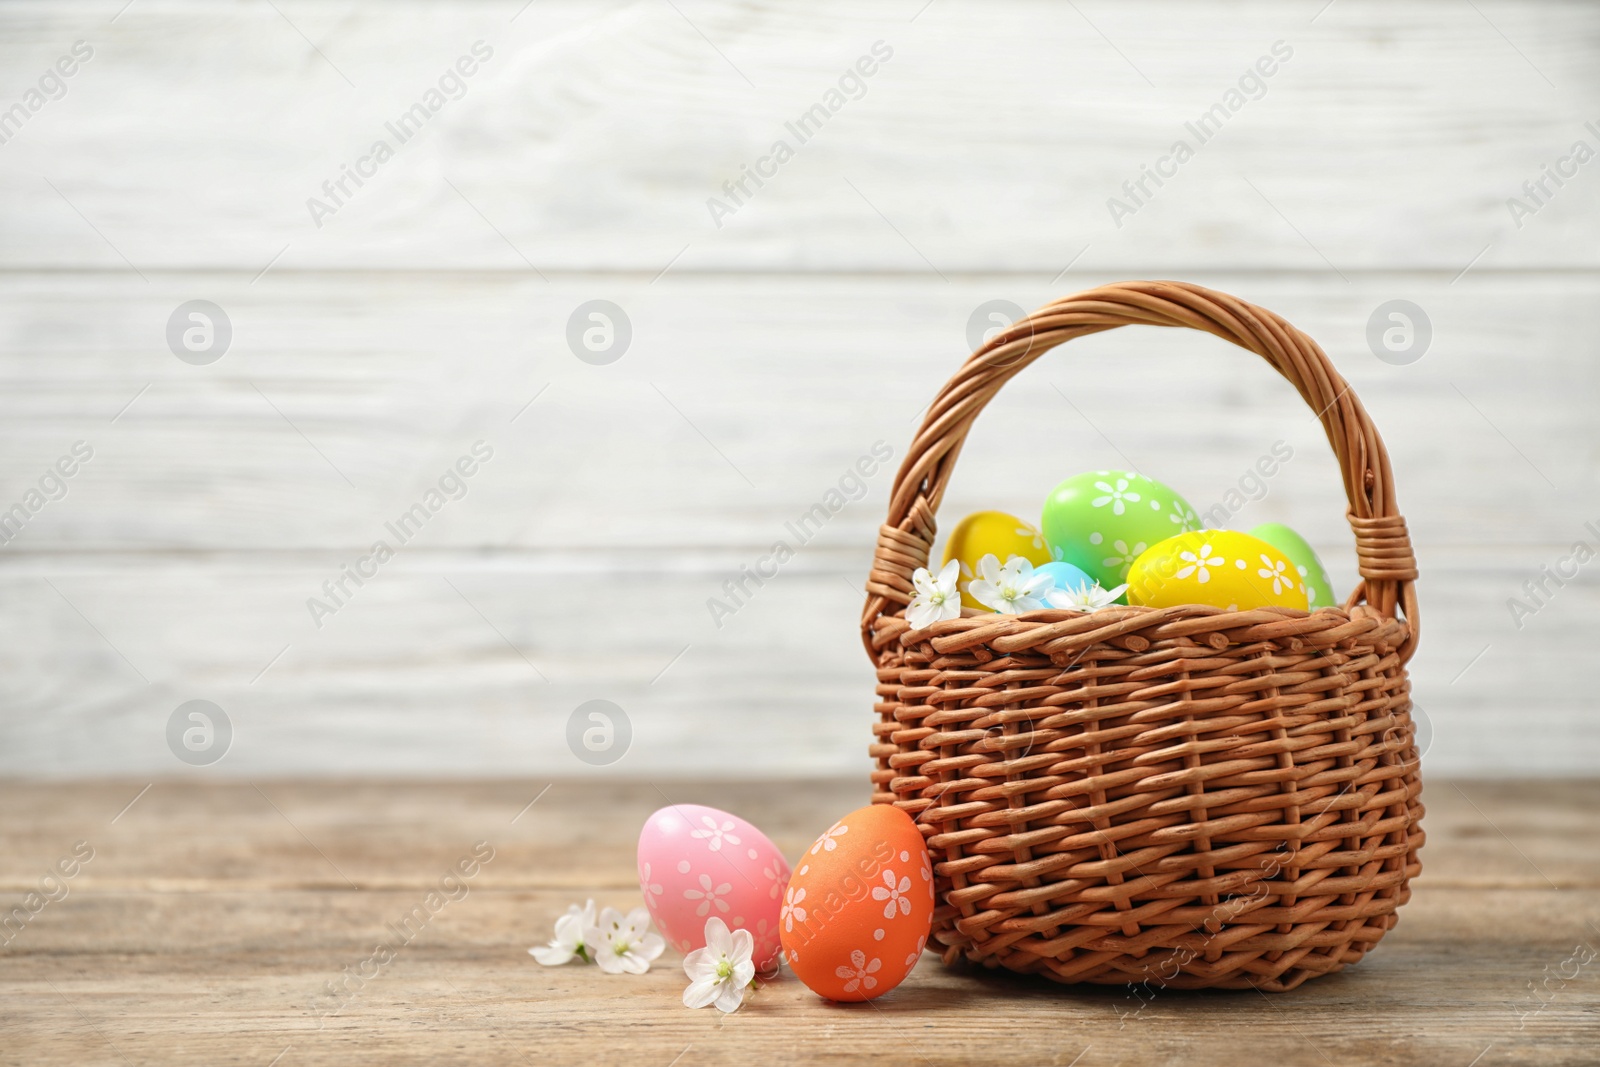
(1101, 521)
(1312, 573)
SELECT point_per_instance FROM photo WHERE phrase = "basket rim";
(1064, 629)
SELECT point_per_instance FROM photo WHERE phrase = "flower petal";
(744, 945)
(552, 955)
(569, 928)
(650, 946)
(1061, 599)
(993, 598)
(701, 963)
(701, 992)
(1034, 584)
(743, 971)
(921, 614)
(729, 997)
(718, 940)
(986, 593)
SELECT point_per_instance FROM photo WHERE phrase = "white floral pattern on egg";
(1220, 568)
(697, 863)
(856, 915)
(1101, 521)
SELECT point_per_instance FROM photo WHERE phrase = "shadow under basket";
(1185, 796)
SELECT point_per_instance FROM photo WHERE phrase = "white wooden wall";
(767, 354)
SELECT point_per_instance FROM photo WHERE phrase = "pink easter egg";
(696, 862)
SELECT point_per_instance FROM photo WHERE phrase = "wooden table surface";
(207, 920)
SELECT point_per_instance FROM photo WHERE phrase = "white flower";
(916, 953)
(860, 972)
(792, 911)
(709, 895)
(1280, 580)
(569, 940)
(1085, 597)
(624, 943)
(777, 874)
(936, 599)
(894, 893)
(1199, 563)
(720, 972)
(714, 835)
(1010, 590)
(1115, 495)
(826, 842)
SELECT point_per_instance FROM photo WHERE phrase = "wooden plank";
(181, 562)
(740, 403)
(994, 138)
(316, 834)
(223, 956)
(413, 679)
(234, 976)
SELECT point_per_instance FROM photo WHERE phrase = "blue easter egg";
(1065, 576)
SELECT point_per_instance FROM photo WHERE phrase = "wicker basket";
(1184, 796)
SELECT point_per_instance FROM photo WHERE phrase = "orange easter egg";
(859, 905)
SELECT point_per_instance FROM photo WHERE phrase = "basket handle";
(1384, 558)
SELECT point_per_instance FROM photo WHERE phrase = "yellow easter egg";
(1223, 568)
(995, 533)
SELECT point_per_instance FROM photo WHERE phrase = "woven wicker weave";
(1184, 796)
